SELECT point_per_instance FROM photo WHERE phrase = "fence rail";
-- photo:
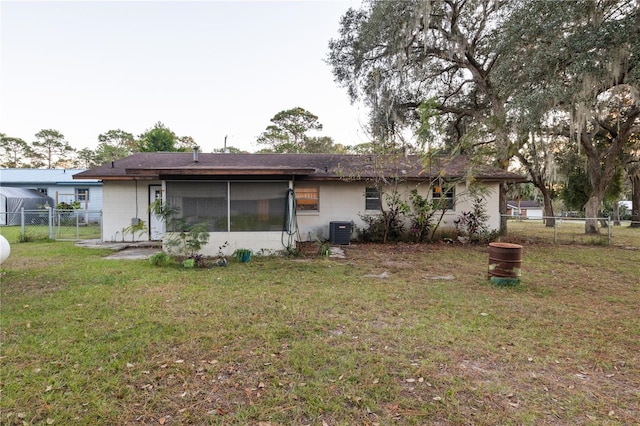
(55, 224)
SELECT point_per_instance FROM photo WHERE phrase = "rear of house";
(268, 202)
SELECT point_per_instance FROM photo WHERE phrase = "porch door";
(156, 226)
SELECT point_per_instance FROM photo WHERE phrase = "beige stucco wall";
(344, 201)
(339, 201)
(123, 201)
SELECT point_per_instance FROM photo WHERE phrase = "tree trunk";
(591, 212)
(616, 213)
(635, 200)
(550, 220)
(503, 208)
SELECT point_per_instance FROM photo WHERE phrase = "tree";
(537, 154)
(397, 54)
(499, 69)
(114, 144)
(51, 147)
(288, 133)
(576, 189)
(632, 166)
(520, 191)
(158, 139)
(576, 60)
(15, 152)
(86, 158)
(323, 145)
(185, 143)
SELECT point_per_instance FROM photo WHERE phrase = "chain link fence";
(55, 224)
(561, 230)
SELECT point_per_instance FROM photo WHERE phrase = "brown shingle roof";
(181, 165)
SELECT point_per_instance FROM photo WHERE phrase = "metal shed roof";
(35, 177)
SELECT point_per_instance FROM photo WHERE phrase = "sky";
(206, 69)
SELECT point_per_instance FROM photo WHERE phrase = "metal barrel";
(505, 262)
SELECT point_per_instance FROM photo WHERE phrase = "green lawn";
(40, 232)
(400, 334)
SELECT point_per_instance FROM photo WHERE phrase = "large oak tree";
(572, 70)
(396, 55)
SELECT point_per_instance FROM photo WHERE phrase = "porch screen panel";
(200, 202)
(258, 206)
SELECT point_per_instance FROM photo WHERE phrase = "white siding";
(67, 194)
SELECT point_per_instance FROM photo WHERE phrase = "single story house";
(269, 201)
(58, 184)
(525, 208)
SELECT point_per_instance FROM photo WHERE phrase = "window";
(199, 202)
(372, 198)
(307, 199)
(444, 196)
(257, 206)
(82, 194)
(234, 206)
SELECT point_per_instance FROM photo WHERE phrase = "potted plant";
(242, 255)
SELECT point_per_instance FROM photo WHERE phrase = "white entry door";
(156, 225)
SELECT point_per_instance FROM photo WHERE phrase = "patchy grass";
(400, 334)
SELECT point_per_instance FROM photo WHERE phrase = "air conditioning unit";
(340, 233)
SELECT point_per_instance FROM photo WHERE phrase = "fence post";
(22, 230)
(50, 209)
(555, 232)
(609, 230)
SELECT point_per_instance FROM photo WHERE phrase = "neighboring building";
(14, 201)
(57, 184)
(247, 199)
(626, 204)
(525, 208)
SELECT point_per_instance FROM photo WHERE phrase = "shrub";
(473, 224)
(183, 239)
(159, 259)
(421, 215)
(196, 260)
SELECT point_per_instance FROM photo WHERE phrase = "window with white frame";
(82, 194)
(444, 196)
(371, 198)
(307, 199)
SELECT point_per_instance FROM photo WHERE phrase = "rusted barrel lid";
(505, 245)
